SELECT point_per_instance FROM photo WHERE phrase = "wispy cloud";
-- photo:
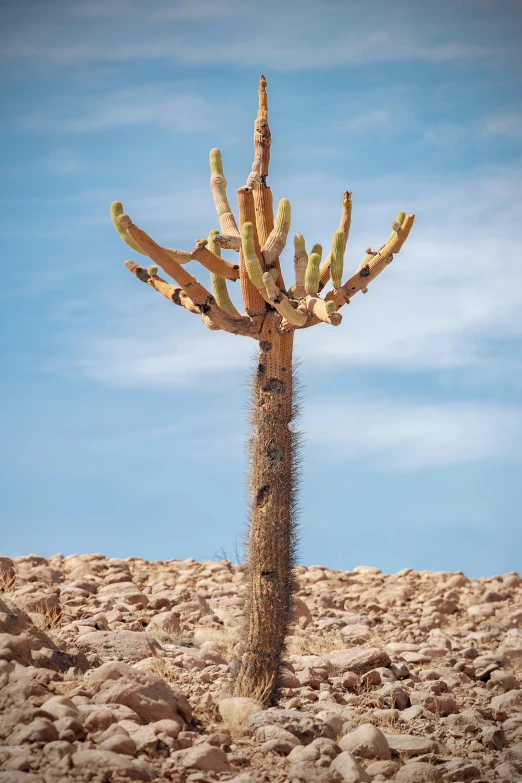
(408, 435)
(134, 106)
(367, 120)
(507, 124)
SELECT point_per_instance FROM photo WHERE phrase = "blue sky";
(123, 417)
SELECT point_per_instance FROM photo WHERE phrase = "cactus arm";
(228, 242)
(218, 184)
(214, 263)
(325, 311)
(312, 273)
(344, 226)
(219, 284)
(213, 316)
(396, 225)
(276, 241)
(252, 296)
(372, 265)
(337, 259)
(181, 256)
(300, 264)
(197, 292)
(282, 304)
(262, 138)
(252, 265)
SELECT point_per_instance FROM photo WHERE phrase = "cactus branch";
(228, 242)
(372, 265)
(344, 226)
(219, 284)
(262, 136)
(312, 273)
(190, 285)
(337, 259)
(275, 243)
(253, 299)
(300, 264)
(282, 304)
(214, 263)
(323, 310)
(180, 256)
(218, 184)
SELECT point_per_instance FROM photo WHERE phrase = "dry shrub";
(224, 640)
(7, 582)
(236, 711)
(47, 619)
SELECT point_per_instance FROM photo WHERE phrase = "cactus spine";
(271, 318)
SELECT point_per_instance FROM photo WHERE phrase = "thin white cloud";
(367, 120)
(157, 105)
(399, 436)
(506, 124)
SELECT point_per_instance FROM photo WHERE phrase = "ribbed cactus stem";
(337, 259)
(219, 284)
(275, 243)
(252, 264)
(298, 291)
(312, 273)
(218, 184)
(116, 211)
(396, 226)
(317, 249)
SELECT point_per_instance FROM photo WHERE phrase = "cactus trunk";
(272, 533)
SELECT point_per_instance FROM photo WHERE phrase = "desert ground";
(118, 670)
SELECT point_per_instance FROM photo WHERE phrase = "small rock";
(350, 771)
(409, 745)
(419, 772)
(366, 741)
(206, 757)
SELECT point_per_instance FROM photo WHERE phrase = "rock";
(128, 646)
(506, 704)
(208, 758)
(271, 732)
(60, 707)
(385, 768)
(459, 770)
(40, 730)
(164, 625)
(302, 725)
(419, 772)
(19, 777)
(440, 705)
(104, 765)
(301, 610)
(359, 660)
(356, 634)
(409, 745)
(150, 697)
(410, 713)
(69, 729)
(366, 741)
(307, 772)
(119, 743)
(350, 771)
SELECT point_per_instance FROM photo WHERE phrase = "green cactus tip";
(116, 211)
(252, 264)
(337, 259)
(318, 249)
(284, 214)
(211, 244)
(153, 271)
(330, 307)
(299, 242)
(216, 162)
(312, 273)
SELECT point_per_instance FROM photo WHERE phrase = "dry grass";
(236, 712)
(7, 582)
(47, 619)
(311, 644)
(224, 640)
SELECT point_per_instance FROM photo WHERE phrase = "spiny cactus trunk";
(272, 531)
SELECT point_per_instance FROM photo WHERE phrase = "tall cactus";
(272, 317)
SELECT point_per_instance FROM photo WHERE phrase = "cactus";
(312, 273)
(272, 318)
(219, 284)
(337, 259)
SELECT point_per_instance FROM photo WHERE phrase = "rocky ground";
(116, 670)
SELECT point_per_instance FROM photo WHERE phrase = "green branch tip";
(252, 264)
(401, 217)
(211, 244)
(312, 273)
(318, 249)
(116, 212)
(216, 162)
(330, 307)
(337, 259)
(274, 273)
(153, 271)
(299, 242)
(284, 214)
